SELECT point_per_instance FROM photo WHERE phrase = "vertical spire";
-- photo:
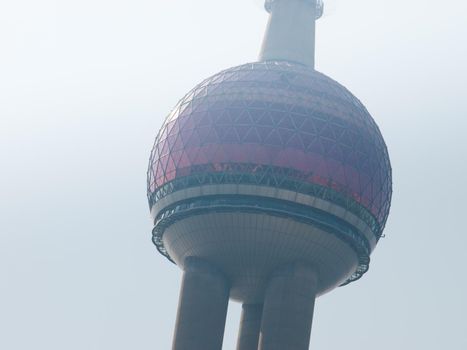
(290, 34)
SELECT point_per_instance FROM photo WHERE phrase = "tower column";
(202, 307)
(250, 324)
(290, 34)
(288, 309)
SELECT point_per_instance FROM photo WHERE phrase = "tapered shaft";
(290, 34)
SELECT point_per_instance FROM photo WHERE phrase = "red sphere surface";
(276, 124)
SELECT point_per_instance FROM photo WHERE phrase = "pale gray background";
(84, 87)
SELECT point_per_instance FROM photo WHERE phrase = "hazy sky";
(84, 87)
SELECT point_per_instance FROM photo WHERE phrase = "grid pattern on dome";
(275, 120)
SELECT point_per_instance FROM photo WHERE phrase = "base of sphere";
(248, 247)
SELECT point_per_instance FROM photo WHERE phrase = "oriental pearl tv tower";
(269, 184)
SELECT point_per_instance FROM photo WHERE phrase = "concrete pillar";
(288, 309)
(202, 308)
(250, 324)
(290, 34)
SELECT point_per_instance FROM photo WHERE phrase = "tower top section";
(290, 34)
(319, 6)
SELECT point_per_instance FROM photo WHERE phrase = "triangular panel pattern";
(277, 121)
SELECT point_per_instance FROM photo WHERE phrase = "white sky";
(84, 87)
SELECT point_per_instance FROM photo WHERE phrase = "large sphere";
(267, 163)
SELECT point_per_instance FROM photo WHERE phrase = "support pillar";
(250, 324)
(288, 309)
(202, 307)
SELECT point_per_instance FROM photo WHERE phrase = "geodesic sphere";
(280, 125)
